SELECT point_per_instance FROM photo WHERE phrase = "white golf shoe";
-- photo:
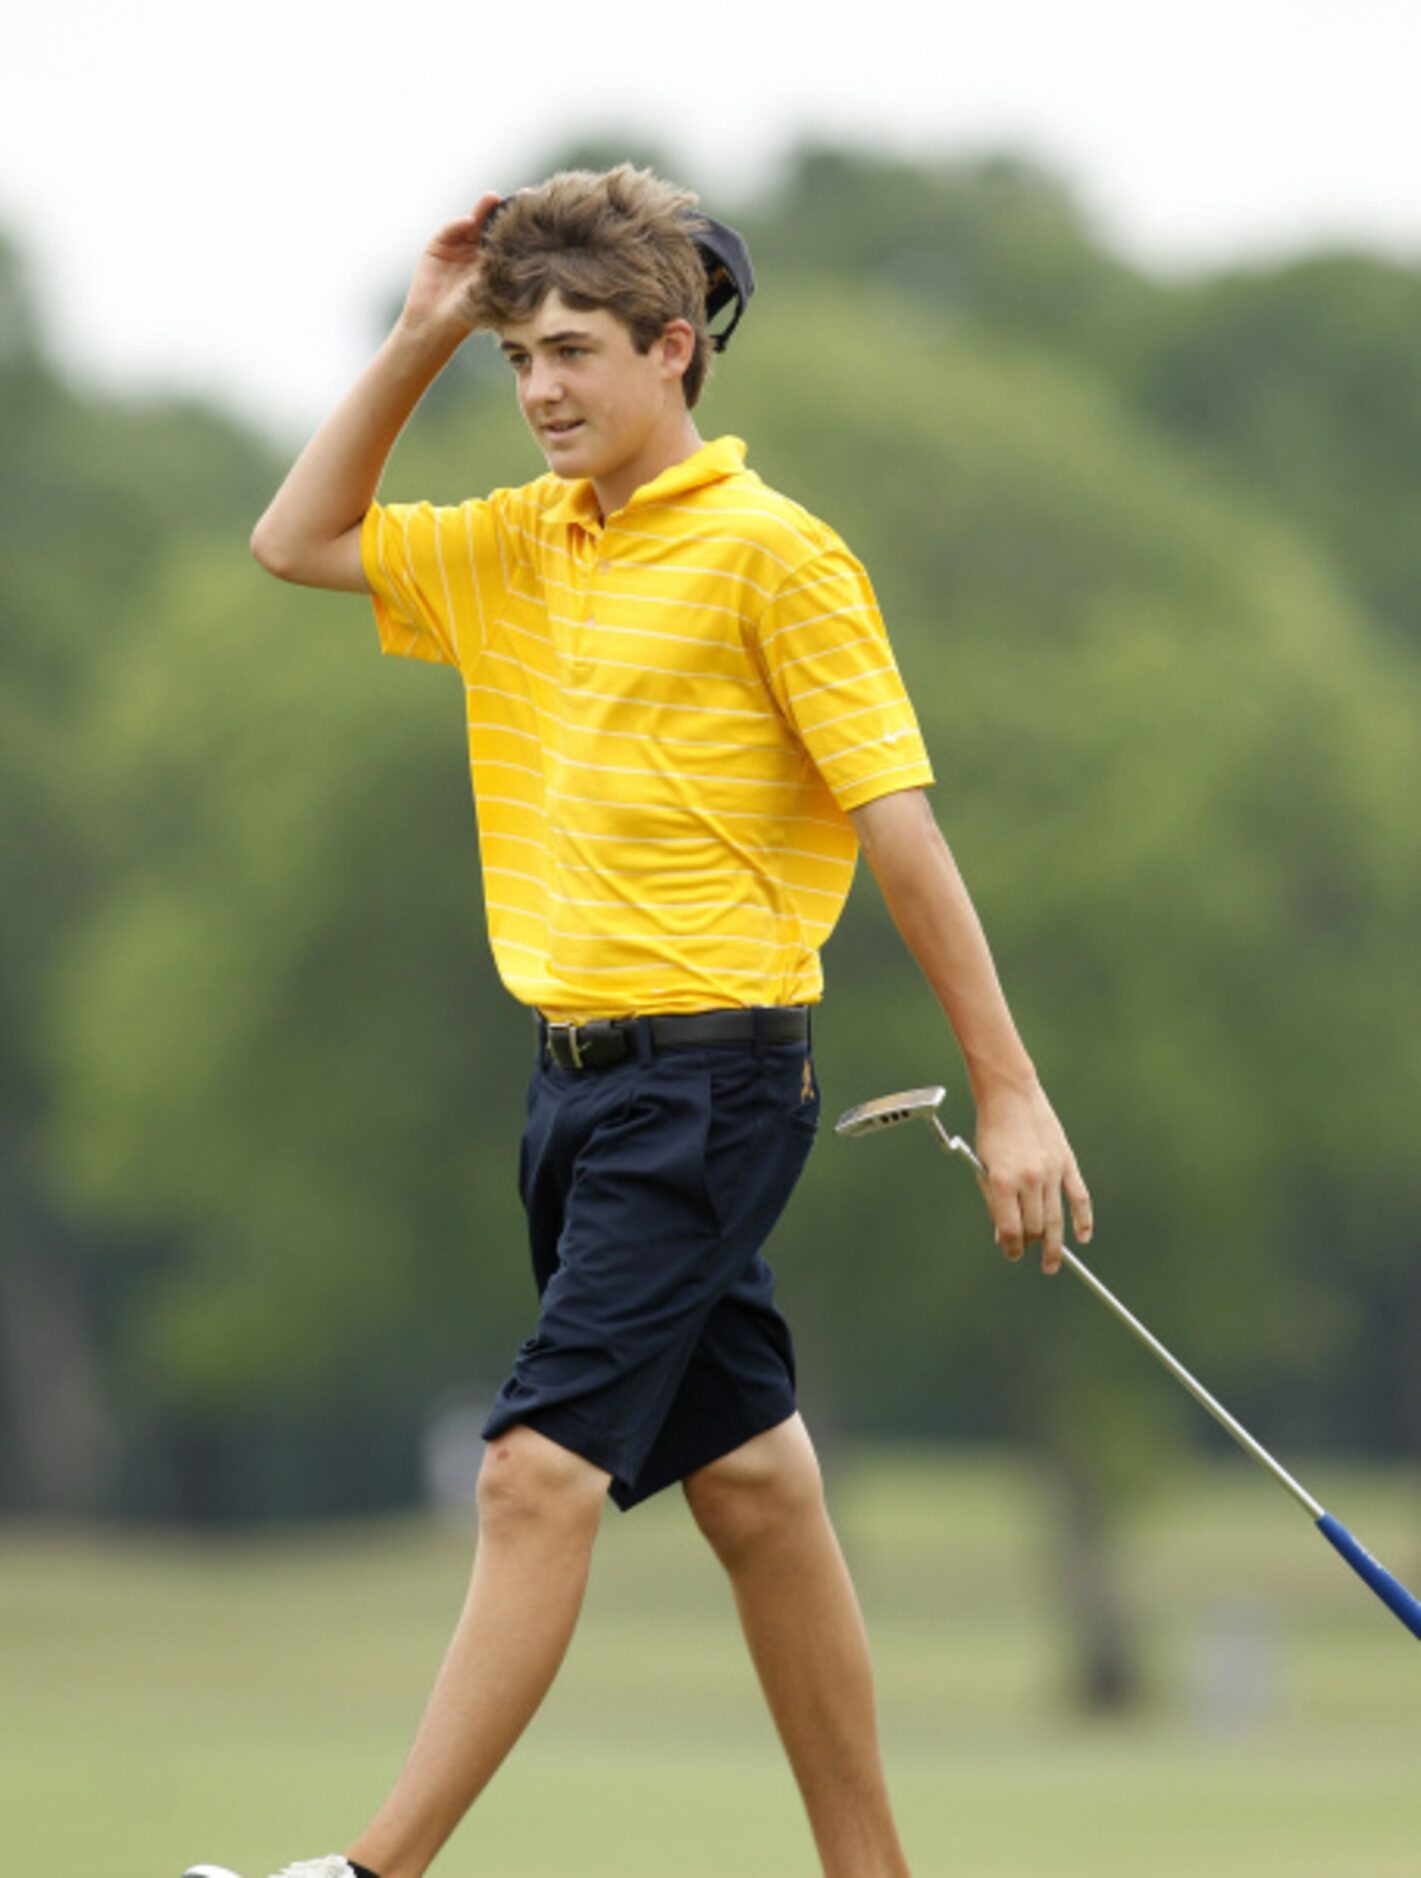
(332, 1866)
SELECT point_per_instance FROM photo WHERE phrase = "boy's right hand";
(437, 301)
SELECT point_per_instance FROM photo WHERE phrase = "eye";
(572, 352)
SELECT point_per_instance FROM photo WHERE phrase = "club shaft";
(955, 1145)
(1196, 1388)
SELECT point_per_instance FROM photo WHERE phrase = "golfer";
(684, 720)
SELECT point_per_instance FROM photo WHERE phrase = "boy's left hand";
(1029, 1162)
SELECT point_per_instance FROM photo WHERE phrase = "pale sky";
(220, 198)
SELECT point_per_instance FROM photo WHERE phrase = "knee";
(527, 1479)
(743, 1501)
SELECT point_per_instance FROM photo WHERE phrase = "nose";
(542, 383)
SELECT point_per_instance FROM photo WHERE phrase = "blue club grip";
(1390, 1590)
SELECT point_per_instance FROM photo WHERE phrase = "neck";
(669, 444)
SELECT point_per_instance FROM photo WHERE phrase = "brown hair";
(619, 240)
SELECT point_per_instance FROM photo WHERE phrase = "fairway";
(248, 1699)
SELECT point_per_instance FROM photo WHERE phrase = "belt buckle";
(568, 1034)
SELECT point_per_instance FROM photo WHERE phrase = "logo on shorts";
(806, 1087)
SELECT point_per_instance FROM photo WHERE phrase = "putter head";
(909, 1105)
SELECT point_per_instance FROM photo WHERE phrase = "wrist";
(1008, 1077)
(425, 346)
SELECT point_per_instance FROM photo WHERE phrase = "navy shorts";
(650, 1188)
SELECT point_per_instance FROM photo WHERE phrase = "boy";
(684, 718)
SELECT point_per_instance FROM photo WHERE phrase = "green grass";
(249, 1700)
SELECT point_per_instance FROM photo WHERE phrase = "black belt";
(611, 1040)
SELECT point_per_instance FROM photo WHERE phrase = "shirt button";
(604, 567)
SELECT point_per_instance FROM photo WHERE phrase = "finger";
(468, 229)
(485, 207)
(1082, 1218)
(1033, 1208)
(457, 241)
(1053, 1235)
(1006, 1217)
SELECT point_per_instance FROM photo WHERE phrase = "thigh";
(665, 1181)
(738, 1377)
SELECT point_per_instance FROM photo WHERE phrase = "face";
(594, 403)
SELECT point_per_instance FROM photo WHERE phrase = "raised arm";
(1023, 1146)
(310, 532)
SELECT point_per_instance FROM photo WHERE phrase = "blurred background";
(1097, 337)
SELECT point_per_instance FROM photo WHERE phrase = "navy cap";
(730, 278)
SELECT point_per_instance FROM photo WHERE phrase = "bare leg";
(762, 1508)
(539, 1509)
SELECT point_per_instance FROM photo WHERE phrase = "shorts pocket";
(765, 1113)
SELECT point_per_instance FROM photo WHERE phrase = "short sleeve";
(826, 654)
(437, 575)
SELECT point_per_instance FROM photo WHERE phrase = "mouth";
(562, 427)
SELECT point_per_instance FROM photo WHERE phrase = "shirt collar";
(576, 501)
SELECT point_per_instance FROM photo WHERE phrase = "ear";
(678, 347)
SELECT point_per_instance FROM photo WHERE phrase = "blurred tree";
(90, 494)
(998, 241)
(1169, 755)
(19, 328)
(275, 1035)
(1178, 768)
(1297, 382)
(60, 535)
(258, 1088)
(1305, 381)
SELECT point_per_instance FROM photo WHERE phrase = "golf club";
(922, 1105)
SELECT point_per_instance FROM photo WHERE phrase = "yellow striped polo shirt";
(670, 712)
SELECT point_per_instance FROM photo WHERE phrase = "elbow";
(266, 550)
(270, 552)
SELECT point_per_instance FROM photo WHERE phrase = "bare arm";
(1027, 1155)
(310, 532)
